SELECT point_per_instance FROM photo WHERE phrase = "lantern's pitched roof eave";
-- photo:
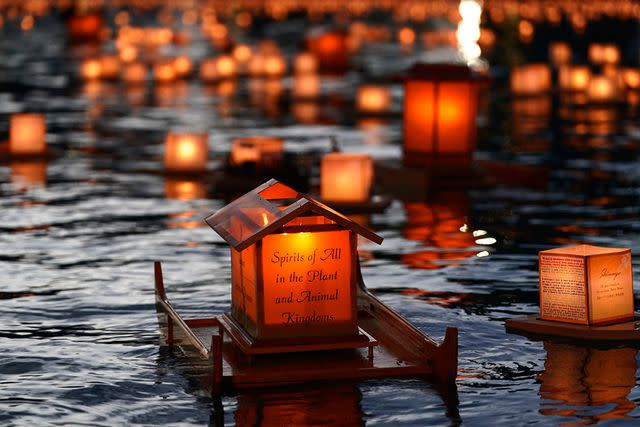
(220, 220)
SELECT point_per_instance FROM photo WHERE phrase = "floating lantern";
(530, 79)
(406, 37)
(305, 63)
(256, 65)
(262, 151)
(109, 67)
(306, 86)
(602, 89)
(275, 65)
(440, 106)
(209, 70)
(573, 78)
(373, 99)
(182, 66)
(91, 69)
(185, 152)
(164, 72)
(331, 50)
(84, 27)
(586, 284)
(242, 55)
(225, 67)
(560, 53)
(134, 73)
(27, 134)
(292, 265)
(346, 177)
(603, 54)
(631, 78)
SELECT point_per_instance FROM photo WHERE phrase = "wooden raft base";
(391, 348)
(626, 332)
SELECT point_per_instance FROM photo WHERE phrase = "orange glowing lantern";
(209, 70)
(631, 78)
(182, 66)
(603, 54)
(293, 266)
(275, 65)
(91, 69)
(331, 50)
(306, 86)
(27, 134)
(373, 99)
(573, 78)
(530, 79)
(164, 71)
(346, 177)
(440, 107)
(185, 152)
(134, 73)
(226, 67)
(109, 67)
(603, 89)
(305, 63)
(84, 27)
(262, 151)
(586, 284)
(560, 53)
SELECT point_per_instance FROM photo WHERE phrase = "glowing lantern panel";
(185, 152)
(586, 284)
(346, 177)
(440, 107)
(27, 134)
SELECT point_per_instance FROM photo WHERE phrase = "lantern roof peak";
(269, 207)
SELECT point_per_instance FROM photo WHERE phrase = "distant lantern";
(109, 67)
(586, 284)
(631, 78)
(305, 63)
(603, 54)
(209, 70)
(530, 79)
(164, 72)
(306, 86)
(440, 107)
(560, 53)
(84, 27)
(242, 54)
(134, 73)
(603, 89)
(293, 266)
(261, 151)
(185, 152)
(331, 50)
(574, 78)
(373, 99)
(226, 67)
(27, 134)
(182, 65)
(91, 69)
(346, 177)
(275, 65)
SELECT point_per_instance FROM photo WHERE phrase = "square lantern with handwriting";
(586, 284)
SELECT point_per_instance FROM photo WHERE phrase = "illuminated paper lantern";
(109, 67)
(373, 99)
(573, 78)
(185, 152)
(292, 265)
(440, 107)
(602, 89)
(91, 69)
(603, 54)
(275, 65)
(586, 284)
(262, 151)
(182, 66)
(331, 50)
(631, 78)
(530, 79)
(27, 134)
(226, 67)
(346, 177)
(84, 27)
(560, 53)
(164, 71)
(306, 86)
(305, 63)
(209, 70)
(134, 73)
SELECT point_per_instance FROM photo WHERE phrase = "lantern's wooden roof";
(269, 207)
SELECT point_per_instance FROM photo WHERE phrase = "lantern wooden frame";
(433, 131)
(273, 209)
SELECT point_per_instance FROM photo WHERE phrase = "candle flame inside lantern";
(27, 134)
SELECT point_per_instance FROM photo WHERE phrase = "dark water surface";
(79, 341)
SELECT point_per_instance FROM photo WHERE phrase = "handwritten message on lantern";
(307, 278)
(586, 284)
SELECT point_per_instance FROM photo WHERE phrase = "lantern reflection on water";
(440, 108)
(346, 177)
(185, 152)
(573, 78)
(27, 134)
(182, 189)
(28, 175)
